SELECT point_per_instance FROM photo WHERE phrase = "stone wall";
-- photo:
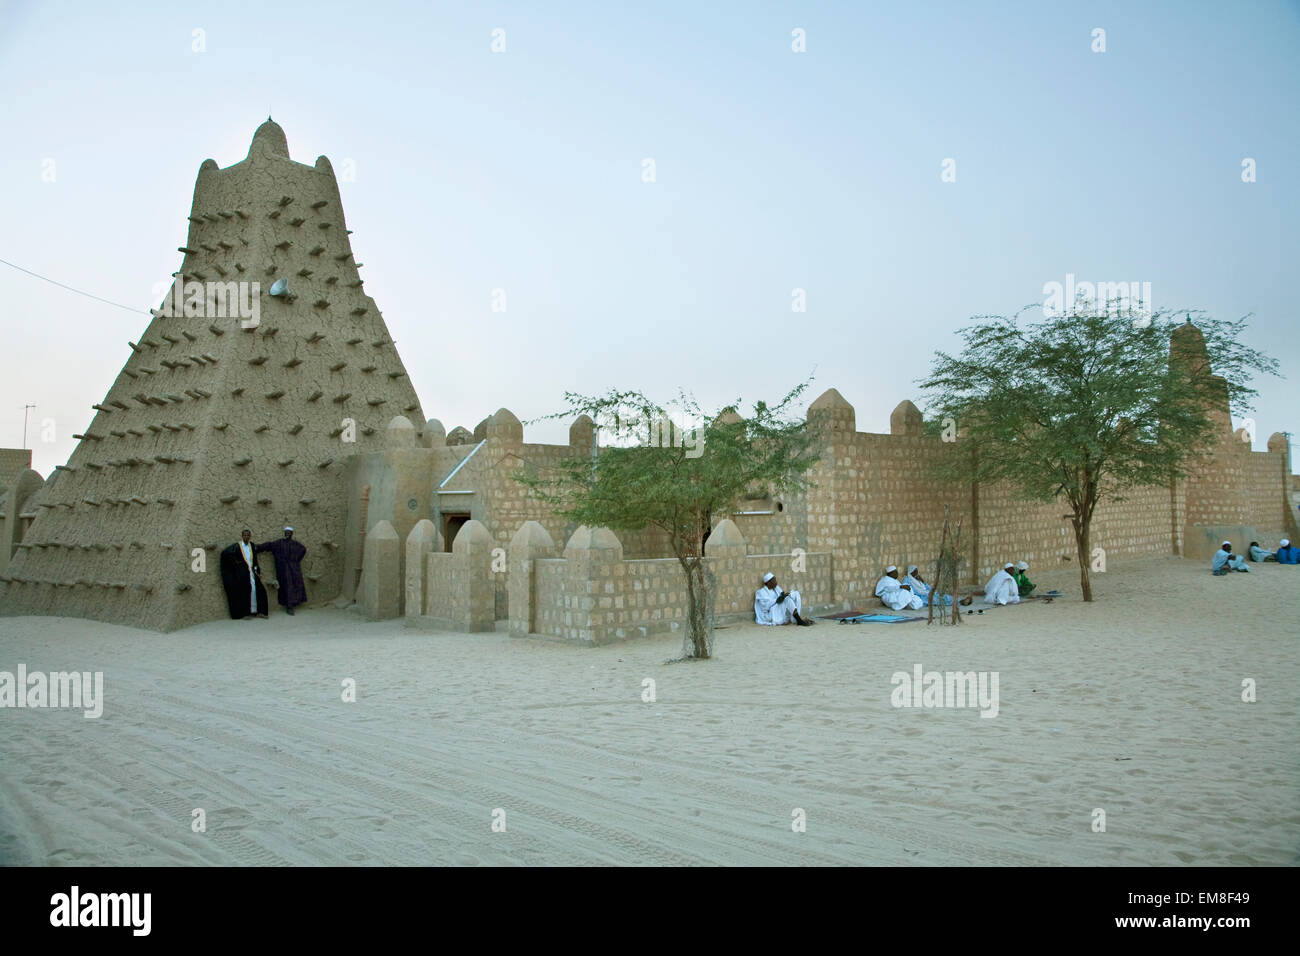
(1041, 533)
(873, 501)
(1263, 486)
(593, 594)
(458, 587)
(419, 477)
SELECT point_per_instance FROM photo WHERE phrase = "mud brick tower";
(212, 426)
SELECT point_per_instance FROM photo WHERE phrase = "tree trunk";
(700, 602)
(1082, 538)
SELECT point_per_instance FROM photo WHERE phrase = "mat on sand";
(1043, 596)
(853, 617)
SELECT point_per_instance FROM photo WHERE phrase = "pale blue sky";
(775, 170)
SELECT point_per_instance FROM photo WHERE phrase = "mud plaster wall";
(13, 461)
(211, 427)
(874, 502)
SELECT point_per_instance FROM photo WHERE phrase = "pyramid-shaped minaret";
(216, 423)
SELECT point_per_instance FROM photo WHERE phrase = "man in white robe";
(1258, 553)
(774, 607)
(912, 580)
(1001, 588)
(1225, 560)
(923, 590)
(895, 594)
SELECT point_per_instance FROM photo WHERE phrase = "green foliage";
(1085, 405)
(677, 469)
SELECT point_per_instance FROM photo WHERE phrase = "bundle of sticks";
(945, 573)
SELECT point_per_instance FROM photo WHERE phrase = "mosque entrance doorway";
(452, 522)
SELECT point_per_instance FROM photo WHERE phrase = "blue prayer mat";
(879, 619)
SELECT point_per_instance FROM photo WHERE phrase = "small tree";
(677, 472)
(1088, 404)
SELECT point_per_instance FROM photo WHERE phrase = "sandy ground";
(1131, 705)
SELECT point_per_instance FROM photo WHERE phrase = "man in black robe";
(245, 593)
(288, 555)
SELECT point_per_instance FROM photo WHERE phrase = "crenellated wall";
(876, 503)
(873, 500)
(593, 594)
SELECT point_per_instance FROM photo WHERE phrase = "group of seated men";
(1225, 559)
(774, 606)
(1007, 586)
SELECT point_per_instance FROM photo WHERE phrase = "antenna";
(25, 408)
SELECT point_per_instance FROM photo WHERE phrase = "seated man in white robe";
(774, 607)
(1001, 588)
(923, 590)
(895, 594)
(1225, 560)
(1258, 553)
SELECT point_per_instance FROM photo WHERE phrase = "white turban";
(767, 577)
(1285, 542)
(1022, 566)
(911, 568)
(892, 567)
(1008, 565)
(288, 527)
(1226, 544)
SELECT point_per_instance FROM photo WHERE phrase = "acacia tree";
(1088, 404)
(675, 468)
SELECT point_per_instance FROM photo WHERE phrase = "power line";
(70, 288)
